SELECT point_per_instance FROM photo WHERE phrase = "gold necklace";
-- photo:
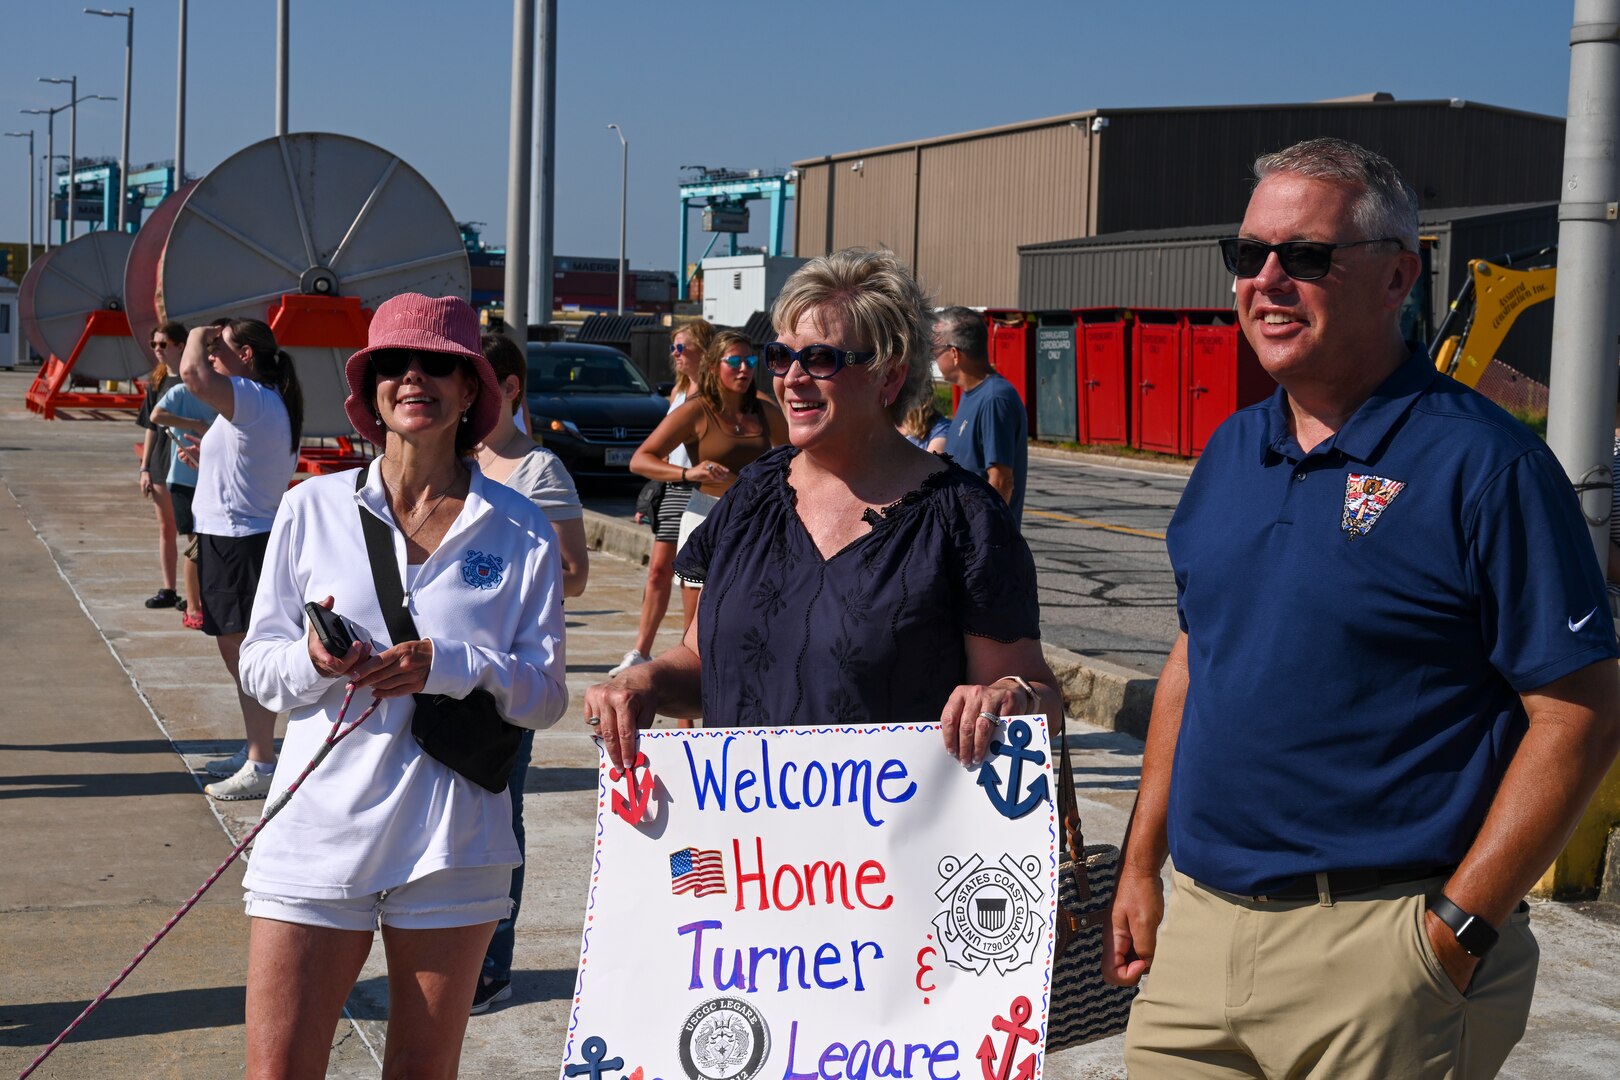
(412, 530)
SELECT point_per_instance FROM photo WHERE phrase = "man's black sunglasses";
(1302, 260)
(392, 363)
(818, 361)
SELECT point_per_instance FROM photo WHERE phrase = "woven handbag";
(1084, 1008)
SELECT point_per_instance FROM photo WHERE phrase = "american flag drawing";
(697, 872)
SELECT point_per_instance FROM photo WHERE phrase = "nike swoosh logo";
(1575, 627)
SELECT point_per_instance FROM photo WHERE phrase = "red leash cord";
(333, 737)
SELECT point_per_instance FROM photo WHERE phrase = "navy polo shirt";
(1360, 623)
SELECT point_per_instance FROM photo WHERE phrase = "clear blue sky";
(742, 85)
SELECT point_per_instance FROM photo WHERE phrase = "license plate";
(617, 457)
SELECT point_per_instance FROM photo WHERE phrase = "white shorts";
(692, 515)
(444, 899)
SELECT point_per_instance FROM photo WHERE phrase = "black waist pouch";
(468, 734)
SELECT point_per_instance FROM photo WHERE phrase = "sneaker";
(631, 659)
(488, 993)
(248, 783)
(163, 598)
(180, 605)
(227, 767)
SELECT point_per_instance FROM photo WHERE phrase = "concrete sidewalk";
(105, 831)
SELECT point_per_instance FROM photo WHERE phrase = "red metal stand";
(46, 396)
(330, 322)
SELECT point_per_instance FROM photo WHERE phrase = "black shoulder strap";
(385, 571)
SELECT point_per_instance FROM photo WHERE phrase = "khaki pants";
(1345, 989)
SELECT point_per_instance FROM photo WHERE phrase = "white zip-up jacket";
(378, 812)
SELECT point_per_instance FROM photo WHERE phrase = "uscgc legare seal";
(724, 1039)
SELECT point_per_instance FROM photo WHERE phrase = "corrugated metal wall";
(1191, 167)
(981, 198)
(959, 207)
(1168, 274)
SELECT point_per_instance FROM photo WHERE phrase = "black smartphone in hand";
(330, 628)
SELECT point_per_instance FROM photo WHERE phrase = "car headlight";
(543, 426)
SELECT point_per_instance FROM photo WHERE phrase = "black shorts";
(228, 567)
(180, 495)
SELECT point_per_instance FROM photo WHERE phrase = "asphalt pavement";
(110, 709)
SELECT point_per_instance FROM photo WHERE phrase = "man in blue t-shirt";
(1393, 695)
(989, 434)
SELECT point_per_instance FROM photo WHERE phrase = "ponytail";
(273, 367)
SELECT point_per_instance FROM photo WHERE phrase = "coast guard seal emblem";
(481, 571)
(724, 1038)
(1365, 500)
(990, 912)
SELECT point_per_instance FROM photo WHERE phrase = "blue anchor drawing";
(1019, 735)
(593, 1052)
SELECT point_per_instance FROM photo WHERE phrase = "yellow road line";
(1105, 526)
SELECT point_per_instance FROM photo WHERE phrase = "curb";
(1108, 695)
(1152, 465)
(1095, 691)
(617, 536)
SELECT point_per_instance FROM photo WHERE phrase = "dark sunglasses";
(739, 362)
(160, 344)
(678, 348)
(817, 361)
(392, 363)
(1302, 260)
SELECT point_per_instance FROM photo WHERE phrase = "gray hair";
(1388, 206)
(881, 303)
(966, 329)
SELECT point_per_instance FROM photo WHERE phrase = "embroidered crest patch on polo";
(1365, 500)
(481, 571)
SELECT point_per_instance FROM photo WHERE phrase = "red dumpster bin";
(1158, 356)
(1103, 375)
(1222, 375)
(1012, 354)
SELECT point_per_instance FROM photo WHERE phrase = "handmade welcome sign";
(831, 902)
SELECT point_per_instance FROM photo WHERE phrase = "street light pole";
(519, 176)
(30, 136)
(624, 196)
(129, 56)
(283, 25)
(50, 163)
(72, 82)
(180, 108)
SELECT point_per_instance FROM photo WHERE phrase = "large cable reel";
(311, 215)
(64, 289)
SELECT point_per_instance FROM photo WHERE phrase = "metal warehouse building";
(958, 208)
(1181, 268)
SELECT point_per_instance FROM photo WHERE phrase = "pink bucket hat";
(445, 324)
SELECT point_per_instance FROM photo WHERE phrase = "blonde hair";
(700, 334)
(921, 418)
(876, 296)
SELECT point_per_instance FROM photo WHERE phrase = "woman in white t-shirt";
(244, 464)
(509, 456)
(383, 834)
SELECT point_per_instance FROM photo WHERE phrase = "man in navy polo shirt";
(1393, 695)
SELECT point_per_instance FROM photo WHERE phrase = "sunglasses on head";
(1302, 260)
(817, 361)
(736, 363)
(392, 363)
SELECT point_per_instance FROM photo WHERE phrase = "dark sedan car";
(590, 406)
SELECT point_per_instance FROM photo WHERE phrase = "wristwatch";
(1473, 933)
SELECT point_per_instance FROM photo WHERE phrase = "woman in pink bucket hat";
(385, 835)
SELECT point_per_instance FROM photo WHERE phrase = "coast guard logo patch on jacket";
(1365, 500)
(481, 571)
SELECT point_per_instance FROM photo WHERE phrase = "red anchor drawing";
(634, 808)
(1016, 1031)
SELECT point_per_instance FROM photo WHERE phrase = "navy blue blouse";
(873, 634)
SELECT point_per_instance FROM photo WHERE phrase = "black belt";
(1351, 882)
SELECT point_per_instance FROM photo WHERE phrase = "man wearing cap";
(1373, 738)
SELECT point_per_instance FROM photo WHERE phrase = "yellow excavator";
(1494, 294)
